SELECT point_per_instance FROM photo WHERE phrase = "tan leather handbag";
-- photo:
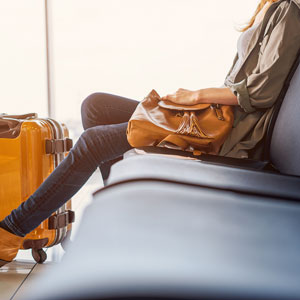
(202, 127)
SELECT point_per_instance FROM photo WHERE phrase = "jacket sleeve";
(277, 55)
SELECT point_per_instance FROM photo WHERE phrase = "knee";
(91, 142)
(85, 150)
(90, 109)
(87, 137)
(90, 102)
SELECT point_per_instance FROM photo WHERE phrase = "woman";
(266, 51)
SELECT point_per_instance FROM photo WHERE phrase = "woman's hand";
(184, 97)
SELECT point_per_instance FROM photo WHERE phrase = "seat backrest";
(285, 141)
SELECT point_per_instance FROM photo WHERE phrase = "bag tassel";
(195, 129)
(184, 125)
(190, 126)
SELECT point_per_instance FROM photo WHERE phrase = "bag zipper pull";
(218, 111)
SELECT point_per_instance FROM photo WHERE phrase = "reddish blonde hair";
(258, 9)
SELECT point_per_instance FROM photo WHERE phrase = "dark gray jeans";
(104, 119)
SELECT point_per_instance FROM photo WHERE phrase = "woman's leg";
(103, 109)
(96, 145)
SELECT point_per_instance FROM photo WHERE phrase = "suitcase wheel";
(39, 255)
(36, 246)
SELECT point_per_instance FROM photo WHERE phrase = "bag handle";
(9, 128)
(180, 107)
(20, 117)
(4, 127)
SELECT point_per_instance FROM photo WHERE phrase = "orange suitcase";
(30, 149)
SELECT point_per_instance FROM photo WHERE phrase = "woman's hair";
(258, 9)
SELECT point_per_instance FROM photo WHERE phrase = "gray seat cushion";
(163, 239)
(205, 174)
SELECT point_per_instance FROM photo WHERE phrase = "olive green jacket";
(269, 57)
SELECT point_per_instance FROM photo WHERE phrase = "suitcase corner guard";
(61, 220)
(55, 146)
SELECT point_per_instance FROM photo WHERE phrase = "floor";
(19, 275)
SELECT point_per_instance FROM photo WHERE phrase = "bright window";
(124, 47)
(23, 84)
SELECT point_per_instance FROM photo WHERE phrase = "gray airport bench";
(167, 228)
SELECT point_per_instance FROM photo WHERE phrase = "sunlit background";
(124, 47)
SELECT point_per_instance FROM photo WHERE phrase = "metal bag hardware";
(61, 220)
(58, 146)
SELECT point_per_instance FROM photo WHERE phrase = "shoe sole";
(3, 262)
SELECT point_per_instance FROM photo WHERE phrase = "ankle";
(5, 227)
(10, 244)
